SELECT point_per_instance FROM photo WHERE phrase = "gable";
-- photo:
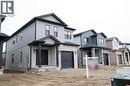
(49, 41)
(51, 18)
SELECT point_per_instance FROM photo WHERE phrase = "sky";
(112, 17)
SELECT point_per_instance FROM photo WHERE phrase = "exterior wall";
(17, 58)
(115, 44)
(51, 56)
(113, 59)
(20, 46)
(86, 34)
(40, 31)
(28, 36)
(77, 40)
(102, 37)
(69, 48)
(109, 44)
(51, 18)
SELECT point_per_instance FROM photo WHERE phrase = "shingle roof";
(78, 34)
(93, 46)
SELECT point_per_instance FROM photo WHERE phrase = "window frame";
(12, 58)
(101, 40)
(55, 32)
(86, 40)
(67, 34)
(47, 32)
(21, 57)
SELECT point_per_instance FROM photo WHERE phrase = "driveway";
(66, 77)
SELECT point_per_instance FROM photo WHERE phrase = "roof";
(102, 34)
(42, 20)
(2, 17)
(123, 49)
(70, 43)
(92, 46)
(52, 14)
(126, 43)
(42, 41)
(78, 34)
(110, 39)
(70, 28)
(3, 36)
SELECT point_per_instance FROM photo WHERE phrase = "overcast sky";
(109, 16)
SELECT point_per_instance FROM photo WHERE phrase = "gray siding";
(102, 37)
(86, 34)
(40, 31)
(20, 46)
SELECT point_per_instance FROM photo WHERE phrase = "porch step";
(45, 69)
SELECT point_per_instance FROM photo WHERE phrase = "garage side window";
(12, 60)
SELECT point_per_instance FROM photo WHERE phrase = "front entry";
(106, 60)
(44, 57)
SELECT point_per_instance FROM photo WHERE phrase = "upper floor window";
(67, 35)
(55, 31)
(101, 40)
(47, 30)
(14, 41)
(86, 40)
(21, 36)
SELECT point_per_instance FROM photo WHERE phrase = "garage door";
(67, 59)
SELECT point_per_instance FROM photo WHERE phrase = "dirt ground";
(66, 77)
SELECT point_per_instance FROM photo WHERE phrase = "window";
(21, 36)
(21, 56)
(67, 35)
(12, 61)
(101, 40)
(14, 41)
(86, 40)
(55, 32)
(47, 30)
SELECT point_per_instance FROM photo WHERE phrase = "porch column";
(59, 59)
(128, 58)
(30, 58)
(124, 58)
(102, 58)
(93, 52)
(39, 65)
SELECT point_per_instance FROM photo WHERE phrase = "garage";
(67, 59)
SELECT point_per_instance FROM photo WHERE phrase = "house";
(92, 44)
(119, 54)
(45, 41)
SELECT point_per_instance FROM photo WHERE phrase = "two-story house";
(119, 54)
(92, 44)
(45, 41)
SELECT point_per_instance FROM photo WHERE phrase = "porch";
(96, 51)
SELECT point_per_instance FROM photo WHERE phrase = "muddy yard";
(66, 77)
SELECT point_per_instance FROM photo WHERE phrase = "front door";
(44, 57)
(106, 60)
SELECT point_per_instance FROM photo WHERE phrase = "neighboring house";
(45, 41)
(94, 45)
(119, 54)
